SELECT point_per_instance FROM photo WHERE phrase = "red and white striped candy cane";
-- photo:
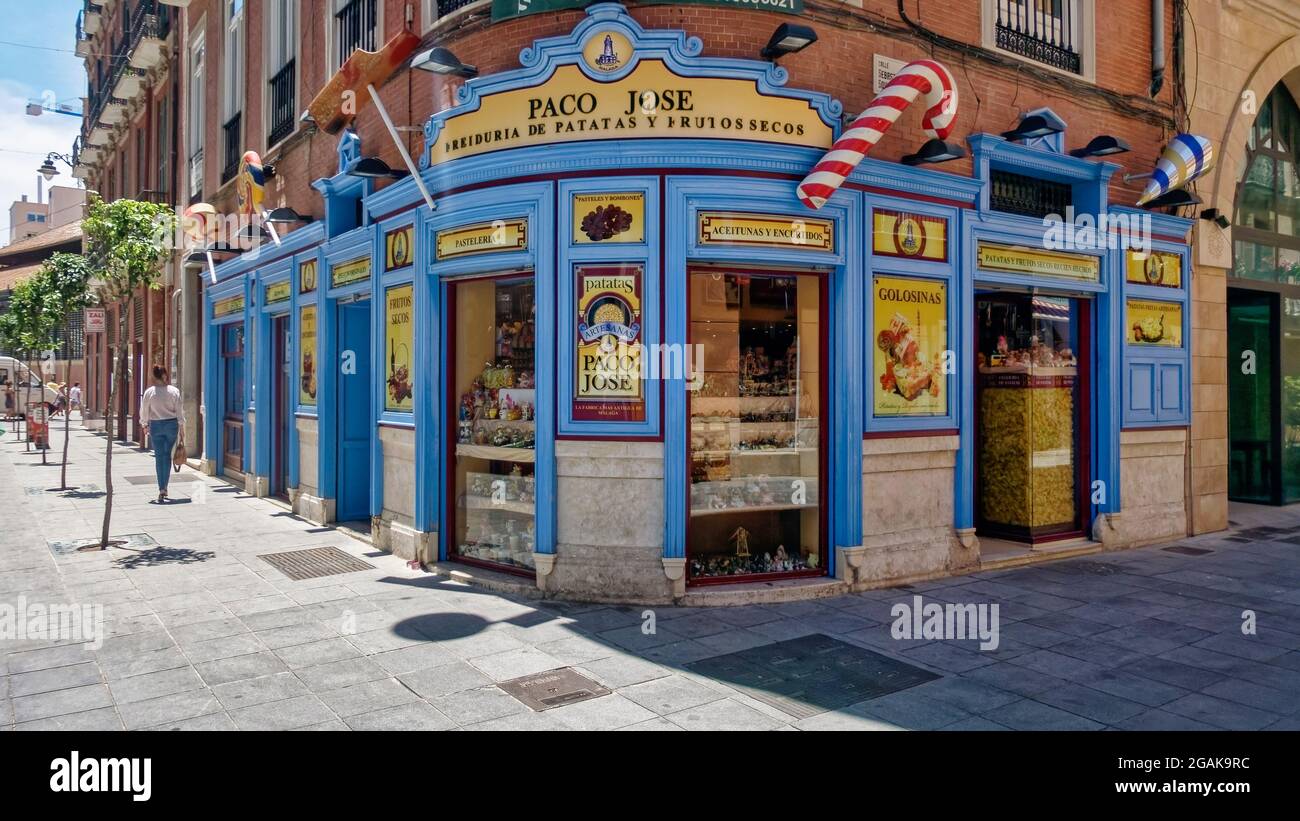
(921, 77)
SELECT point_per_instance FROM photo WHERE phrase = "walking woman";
(163, 418)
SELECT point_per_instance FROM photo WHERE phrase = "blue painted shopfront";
(678, 180)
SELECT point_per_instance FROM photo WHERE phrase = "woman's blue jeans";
(163, 433)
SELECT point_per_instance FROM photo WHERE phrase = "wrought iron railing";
(231, 153)
(1046, 31)
(1028, 196)
(354, 28)
(282, 103)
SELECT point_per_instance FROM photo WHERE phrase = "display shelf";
(490, 504)
(500, 454)
(505, 423)
(750, 509)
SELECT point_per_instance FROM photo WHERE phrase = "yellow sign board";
(911, 346)
(277, 292)
(307, 356)
(399, 248)
(482, 238)
(1012, 259)
(650, 102)
(226, 307)
(307, 277)
(1153, 322)
(400, 335)
(608, 384)
(1155, 268)
(766, 230)
(346, 273)
(609, 217)
(910, 236)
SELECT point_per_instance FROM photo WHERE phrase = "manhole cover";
(1184, 550)
(130, 541)
(811, 674)
(553, 688)
(153, 480)
(315, 562)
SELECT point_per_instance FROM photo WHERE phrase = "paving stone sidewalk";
(203, 634)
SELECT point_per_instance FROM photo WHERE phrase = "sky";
(37, 62)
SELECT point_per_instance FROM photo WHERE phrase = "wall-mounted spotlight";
(1035, 125)
(374, 168)
(441, 61)
(286, 215)
(1217, 217)
(787, 39)
(1102, 146)
(935, 151)
(1174, 199)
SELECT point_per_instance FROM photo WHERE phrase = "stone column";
(1207, 503)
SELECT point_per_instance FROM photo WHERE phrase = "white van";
(15, 378)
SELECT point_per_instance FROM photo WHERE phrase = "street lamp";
(48, 169)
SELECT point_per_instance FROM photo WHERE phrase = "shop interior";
(492, 484)
(757, 432)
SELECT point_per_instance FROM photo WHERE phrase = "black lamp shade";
(1101, 146)
(935, 151)
(440, 60)
(1174, 199)
(1035, 125)
(789, 38)
(373, 168)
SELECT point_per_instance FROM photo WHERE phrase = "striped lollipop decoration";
(1185, 158)
(923, 77)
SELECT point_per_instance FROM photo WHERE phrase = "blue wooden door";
(354, 423)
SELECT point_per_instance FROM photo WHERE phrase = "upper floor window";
(1055, 33)
(196, 119)
(232, 89)
(356, 25)
(435, 10)
(281, 37)
(1266, 234)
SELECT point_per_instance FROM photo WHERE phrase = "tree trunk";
(27, 403)
(67, 432)
(119, 371)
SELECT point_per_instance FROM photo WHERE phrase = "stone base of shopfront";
(610, 527)
(404, 541)
(907, 513)
(1153, 471)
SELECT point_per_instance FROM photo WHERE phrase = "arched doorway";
(1264, 311)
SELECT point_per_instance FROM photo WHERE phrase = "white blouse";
(161, 404)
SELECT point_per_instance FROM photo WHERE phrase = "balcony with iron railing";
(354, 28)
(282, 103)
(442, 8)
(1045, 31)
(231, 148)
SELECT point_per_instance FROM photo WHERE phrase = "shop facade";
(622, 360)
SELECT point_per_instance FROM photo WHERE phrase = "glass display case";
(1028, 415)
(756, 427)
(492, 482)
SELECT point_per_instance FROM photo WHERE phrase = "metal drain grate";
(315, 562)
(811, 674)
(553, 688)
(1184, 550)
(153, 480)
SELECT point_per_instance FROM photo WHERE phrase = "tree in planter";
(64, 280)
(127, 243)
(28, 327)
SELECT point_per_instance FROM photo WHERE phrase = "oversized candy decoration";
(250, 185)
(197, 223)
(923, 77)
(1185, 158)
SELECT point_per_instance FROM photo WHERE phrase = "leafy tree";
(28, 329)
(64, 280)
(127, 243)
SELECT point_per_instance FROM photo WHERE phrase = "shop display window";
(494, 417)
(756, 426)
(1028, 412)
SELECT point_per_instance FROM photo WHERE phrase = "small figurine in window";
(741, 537)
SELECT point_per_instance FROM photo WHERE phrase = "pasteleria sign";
(612, 80)
(482, 238)
(1013, 259)
(1155, 268)
(768, 230)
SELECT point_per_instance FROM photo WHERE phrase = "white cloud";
(24, 142)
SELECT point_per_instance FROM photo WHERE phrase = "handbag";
(178, 457)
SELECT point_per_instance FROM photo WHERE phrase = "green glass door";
(1252, 413)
